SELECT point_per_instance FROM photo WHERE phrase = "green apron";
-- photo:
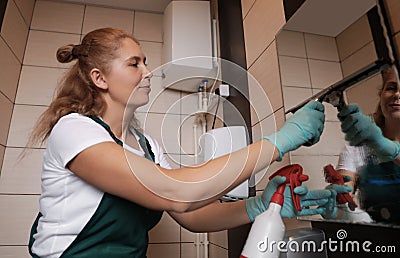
(118, 228)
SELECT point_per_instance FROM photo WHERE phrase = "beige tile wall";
(356, 50)
(16, 218)
(55, 24)
(309, 63)
(292, 69)
(261, 21)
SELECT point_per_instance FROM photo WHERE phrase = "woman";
(376, 138)
(101, 195)
(374, 153)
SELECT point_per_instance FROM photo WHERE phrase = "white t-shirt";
(67, 202)
(354, 157)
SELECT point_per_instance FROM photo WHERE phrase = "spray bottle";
(268, 229)
(347, 208)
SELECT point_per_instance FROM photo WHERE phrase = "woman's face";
(390, 98)
(129, 79)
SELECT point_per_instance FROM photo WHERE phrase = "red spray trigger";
(334, 177)
(294, 176)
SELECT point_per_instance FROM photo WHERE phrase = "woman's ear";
(98, 79)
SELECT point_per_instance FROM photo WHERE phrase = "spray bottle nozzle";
(294, 176)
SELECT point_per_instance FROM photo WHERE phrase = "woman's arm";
(216, 216)
(108, 167)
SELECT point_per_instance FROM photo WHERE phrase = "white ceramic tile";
(189, 250)
(190, 102)
(22, 123)
(219, 238)
(217, 252)
(354, 37)
(42, 47)
(324, 73)
(330, 113)
(321, 47)
(163, 250)
(14, 251)
(60, 17)
(166, 231)
(313, 167)
(174, 160)
(330, 143)
(189, 160)
(187, 236)
(162, 100)
(148, 26)
(9, 72)
(26, 8)
(359, 59)
(6, 107)
(17, 219)
(100, 17)
(187, 141)
(291, 43)
(260, 26)
(153, 52)
(165, 128)
(21, 176)
(14, 30)
(37, 85)
(293, 96)
(294, 72)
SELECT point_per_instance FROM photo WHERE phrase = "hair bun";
(65, 54)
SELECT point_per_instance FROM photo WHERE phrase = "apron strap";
(144, 143)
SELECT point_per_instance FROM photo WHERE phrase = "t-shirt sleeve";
(72, 134)
(348, 159)
(159, 156)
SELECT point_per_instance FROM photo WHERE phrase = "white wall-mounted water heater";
(188, 45)
(221, 141)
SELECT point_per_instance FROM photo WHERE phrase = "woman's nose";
(147, 73)
(397, 94)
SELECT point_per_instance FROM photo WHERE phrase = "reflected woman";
(374, 150)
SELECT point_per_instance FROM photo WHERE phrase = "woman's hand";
(331, 211)
(305, 126)
(361, 129)
(258, 204)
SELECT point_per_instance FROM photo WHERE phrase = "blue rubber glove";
(258, 204)
(331, 206)
(361, 129)
(306, 125)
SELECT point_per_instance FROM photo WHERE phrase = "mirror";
(326, 45)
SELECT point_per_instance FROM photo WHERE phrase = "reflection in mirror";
(315, 55)
(377, 177)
